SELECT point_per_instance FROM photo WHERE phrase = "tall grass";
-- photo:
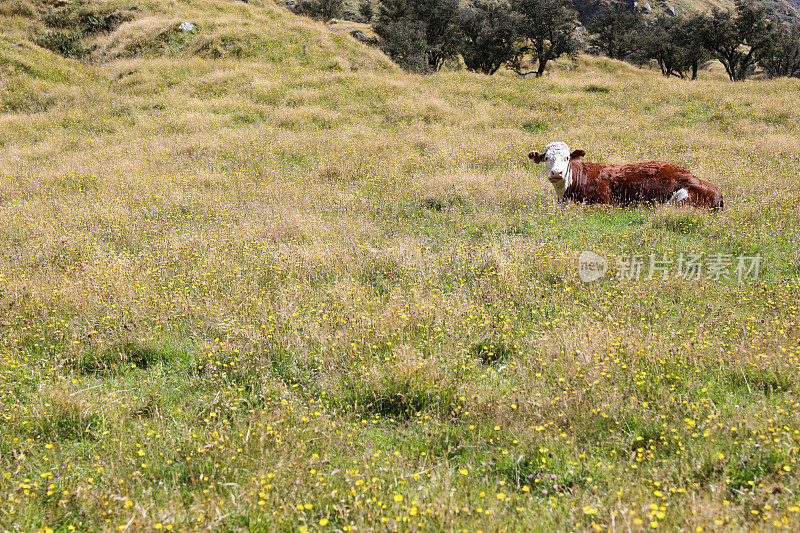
(270, 290)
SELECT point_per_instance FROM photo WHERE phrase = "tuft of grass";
(493, 350)
(759, 380)
(405, 388)
(750, 468)
(65, 43)
(597, 89)
(62, 416)
(124, 356)
(678, 221)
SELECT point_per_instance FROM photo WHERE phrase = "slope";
(251, 291)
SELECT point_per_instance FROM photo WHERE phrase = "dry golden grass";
(277, 291)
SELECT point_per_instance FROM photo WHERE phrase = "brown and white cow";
(636, 183)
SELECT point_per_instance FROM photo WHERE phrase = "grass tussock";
(62, 415)
(677, 220)
(403, 387)
(127, 355)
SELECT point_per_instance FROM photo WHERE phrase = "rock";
(360, 36)
(646, 8)
(186, 26)
(671, 11)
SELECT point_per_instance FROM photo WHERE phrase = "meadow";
(255, 278)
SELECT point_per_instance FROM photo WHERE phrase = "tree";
(489, 35)
(781, 55)
(616, 31)
(672, 42)
(737, 38)
(547, 28)
(432, 24)
(693, 52)
(404, 41)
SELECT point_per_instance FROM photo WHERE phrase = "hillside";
(786, 10)
(255, 278)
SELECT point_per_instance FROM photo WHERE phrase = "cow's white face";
(556, 158)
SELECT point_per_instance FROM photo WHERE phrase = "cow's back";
(650, 181)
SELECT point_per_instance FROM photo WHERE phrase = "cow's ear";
(537, 157)
(577, 154)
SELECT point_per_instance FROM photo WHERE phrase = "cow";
(636, 183)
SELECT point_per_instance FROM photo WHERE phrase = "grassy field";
(271, 282)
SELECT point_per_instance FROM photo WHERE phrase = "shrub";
(320, 9)
(65, 43)
(366, 10)
(12, 8)
(86, 19)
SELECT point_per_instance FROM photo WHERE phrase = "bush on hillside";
(17, 8)
(68, 44)
(86, 19)
(73, 23)
(366, 11)
(320, 9)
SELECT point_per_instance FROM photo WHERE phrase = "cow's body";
(651, 182)
(637, 183)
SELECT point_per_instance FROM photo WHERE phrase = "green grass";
(255, 278)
